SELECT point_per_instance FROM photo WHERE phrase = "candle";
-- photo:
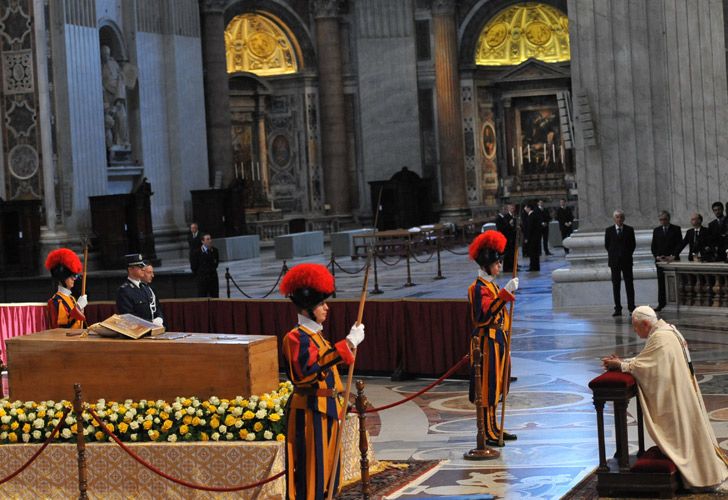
(562, 153)
(545, 153)
(513, 157)
(257, 169)
(553, 152)
(520, 156)
(528, 151)
(242, 170)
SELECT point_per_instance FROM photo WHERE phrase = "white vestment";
(673, 408)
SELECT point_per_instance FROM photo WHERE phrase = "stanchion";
(361, 406)
(375, 256)
(439, 265)
(332, 262)
(481, 452)
(409, 273)
(80, 443)
(227, 280)
(284, 270)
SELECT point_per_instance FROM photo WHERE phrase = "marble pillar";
(217, 98)
(331, 95)
(652, 75)
(449, 113)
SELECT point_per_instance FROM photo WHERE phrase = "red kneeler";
(648, 472)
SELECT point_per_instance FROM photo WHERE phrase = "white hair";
(645, 313)
(617, 212)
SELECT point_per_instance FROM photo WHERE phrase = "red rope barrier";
(181, 482)
(420, 393)
(40, 450)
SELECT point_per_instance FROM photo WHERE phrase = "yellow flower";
(151, 411)
(186, 402)
(257, 427)
(110, 427)
(167, 425)
(274, 417)
(20, 411)
(123, 427)
(74, 428)
(122, 410)
(281, 437)
(248, 415)
(154, 435)
(14, 425)
(184, 430)
(196, 421)
(99, 435)
(147, 425)
(2, 412)
(229, 420)
(204, 436)
(214, 423)
(41, 413)
(59, 414)
(244, 403)
(243, 433)
(26, 428)
(12, 437)
(187, 420)
(164, 415)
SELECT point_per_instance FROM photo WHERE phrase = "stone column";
(331, 94)
(262, 143)
(217, 94)
(449, 113)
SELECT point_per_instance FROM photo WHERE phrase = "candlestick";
(553, 152)
(520, 156)
(257, 169)
(528, 150)
(242, 170)
(562, 154)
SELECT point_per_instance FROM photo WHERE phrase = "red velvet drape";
(422, 337)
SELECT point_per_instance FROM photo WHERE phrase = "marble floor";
(555, 354)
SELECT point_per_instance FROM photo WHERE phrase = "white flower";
(190, 411)
(134, 425)
(277, 408)
(134, 437)
(88, 430)
(268, 435)
(250, 436)
(3, 436)
(26, 437)
(160, 403)
(54, 422)
(114, 417)
(254, 398)
(215, 436)
(177, 406)
(22, 417)
(70, 420)
(229, 436)
(195, 403)
(57, 406)
(178, 415)
(214, 400)
(263, 405)
(31, 416)
(251, 405)
(238, 423)
(13, 411)
(129, 415)
(66, 433)
(156, 420)
(237, 411)
(37, 435)
(48, 434)
(38, 423)
(172, 438)
(276, 401)
(200, 413)
(6, 419)
(222, 429)
(203, 421)
(86, 417)
(220, 410)
(260, 414)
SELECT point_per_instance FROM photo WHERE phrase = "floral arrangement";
(258, 418)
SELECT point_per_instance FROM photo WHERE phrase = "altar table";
(45, 365)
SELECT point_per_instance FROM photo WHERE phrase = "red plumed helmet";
(487, 247)
(63, 263)
(307, 285)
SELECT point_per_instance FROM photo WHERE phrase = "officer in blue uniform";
(134, 296)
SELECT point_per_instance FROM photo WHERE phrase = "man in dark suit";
(532, 237)
(505, 222)
(194, 239)
(566, 221)
(666, 240)
(133, 296)
(620, 244)
(717, 230)
(697, 238)
(544, 218)
(204, 266)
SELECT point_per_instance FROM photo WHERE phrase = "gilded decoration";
(257, 44)
(523, 31)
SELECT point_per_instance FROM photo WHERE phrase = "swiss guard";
(65, 310)
(315, 405)
(491, 323)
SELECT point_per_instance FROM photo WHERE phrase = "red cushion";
(653, 460)
(612, 380)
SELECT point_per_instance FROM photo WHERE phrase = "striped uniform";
(313, 411)
(64, 313)
(490, 323)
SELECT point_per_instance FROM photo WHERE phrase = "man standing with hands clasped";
(204, 266)
(666, 241)
(620, 243)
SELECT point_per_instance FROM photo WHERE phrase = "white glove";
(158, 321)
(356, 335)
(512, 285)
(82, 302)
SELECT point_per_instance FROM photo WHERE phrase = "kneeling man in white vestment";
(674, 412)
